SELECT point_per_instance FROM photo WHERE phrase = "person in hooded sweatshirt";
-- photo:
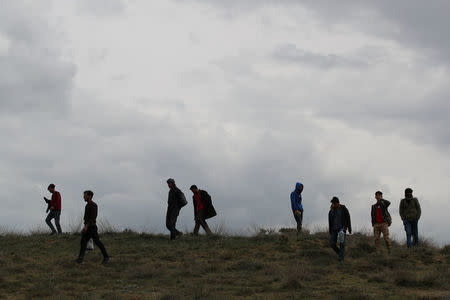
(297, 207)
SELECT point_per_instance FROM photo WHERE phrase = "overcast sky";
(242, 98)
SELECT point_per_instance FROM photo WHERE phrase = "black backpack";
(182, 202)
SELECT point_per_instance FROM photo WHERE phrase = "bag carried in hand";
(182, 202)
(341, 237)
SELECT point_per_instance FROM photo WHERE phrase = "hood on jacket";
(298, 185)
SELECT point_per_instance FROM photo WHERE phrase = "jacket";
(90, 214)
(207, 203)
(346, 222)
(175, 195)
(56, 201)
(384, 204)
(410, 209)
(296, 198)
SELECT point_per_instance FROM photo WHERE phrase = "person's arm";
(419, 210)
(293, 202)
(373, 215)
(386, 203)
(86, 218)
(58, 201)
(401, 210)
(329, 222)
(193, 204)
(348, 220)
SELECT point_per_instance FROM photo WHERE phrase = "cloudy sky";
(242, 98)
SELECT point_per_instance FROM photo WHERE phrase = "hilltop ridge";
(267, 266)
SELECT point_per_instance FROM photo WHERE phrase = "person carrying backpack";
(381, 220)
(203, 209)
(410, 212)
(175, 202)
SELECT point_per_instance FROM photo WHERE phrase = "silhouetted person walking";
(338, 223)
(55, 209)
(410, 212)
(203, 209)
(297, 206)
(381, 220)
(175, 202)
(90, 229)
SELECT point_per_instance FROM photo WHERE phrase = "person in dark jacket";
(381, 221)
(297, 206)
(55, 209)
(173, 208)
(410, 212)
(90, 230)
(338, 223)
(203, 209)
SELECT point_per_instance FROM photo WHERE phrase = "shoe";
(53, 233)
(79, 260)
(105, 260)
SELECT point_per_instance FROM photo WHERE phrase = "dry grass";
(266, 266)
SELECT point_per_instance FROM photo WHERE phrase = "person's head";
(51, 188)
(299, 187)
(378, 196)
(408, 193)
(171, 183)
(88, 195)
(335, 202)
(194, 189)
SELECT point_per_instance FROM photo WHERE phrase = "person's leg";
(48, 220)
(385, 230)
(57, 217)
(175, 218)
(377, 234)
(408, 232)
(170, 224)
(85, 237)
(342, 250)
(197, 227)
(205, 227)
(96, 239)
(299, 219)
(415, 232)
(333, 241)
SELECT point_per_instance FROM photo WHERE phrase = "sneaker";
(79, 260)
(105, 260)
(53, 233)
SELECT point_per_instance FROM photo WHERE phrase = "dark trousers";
(340, 251)
(412, 230)
(91, 233)
(54, 214)
(299, 219)
(171, 222)
(200, 221)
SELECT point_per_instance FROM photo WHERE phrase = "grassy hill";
(263, 267)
